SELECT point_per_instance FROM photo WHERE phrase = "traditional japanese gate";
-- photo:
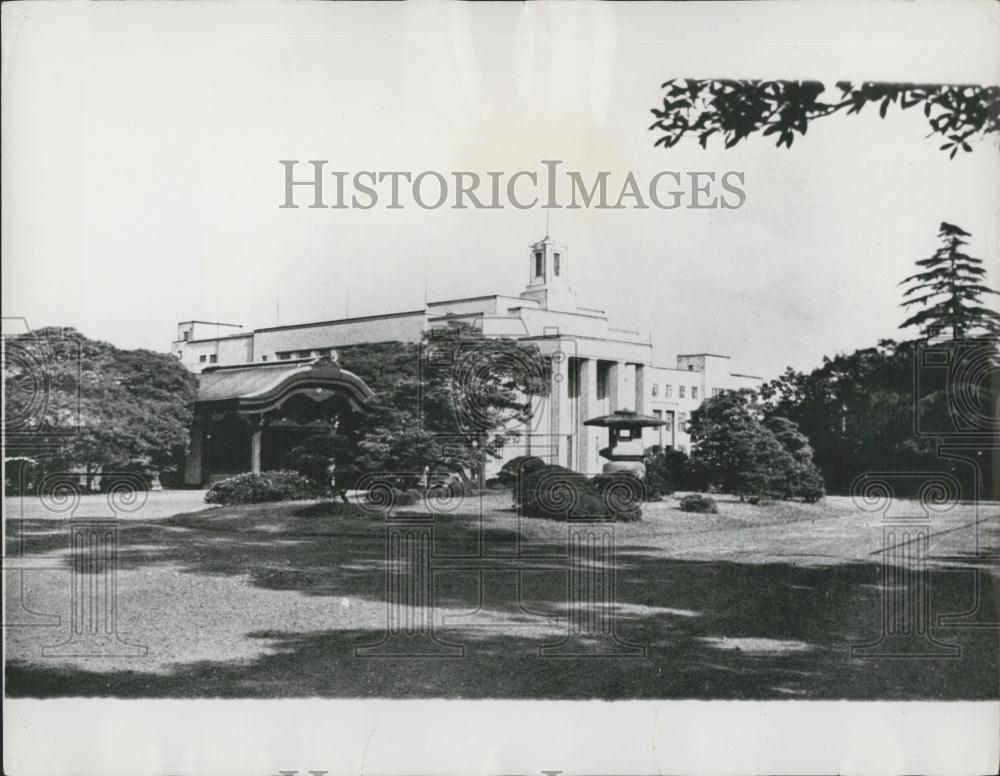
(247, 416)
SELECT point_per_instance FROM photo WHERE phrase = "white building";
(596, 368)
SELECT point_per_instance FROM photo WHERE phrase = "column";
(257, 431)
(16, 565)
(978, 457)
(192, 461)
(94, 594)
(592, 600)
(906, 607)
(558, 407)
(586, 408)
(409, 592)
(616, 380)
(640, 389)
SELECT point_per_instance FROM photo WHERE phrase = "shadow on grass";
(716, 629)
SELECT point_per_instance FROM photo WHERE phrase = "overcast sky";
(141, 181)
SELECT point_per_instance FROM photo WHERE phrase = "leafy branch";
(736, 109)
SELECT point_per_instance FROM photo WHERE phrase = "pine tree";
(950, 288)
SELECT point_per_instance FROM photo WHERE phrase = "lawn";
(756, 602)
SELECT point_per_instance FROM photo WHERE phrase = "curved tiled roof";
(262, 387)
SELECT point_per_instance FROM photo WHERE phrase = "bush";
(623, 493)
(330, 508)
(383, 498)
(809, 486)
(697, 502)
(558, 493)
(259, 488)
(667, 471)
(518, 467)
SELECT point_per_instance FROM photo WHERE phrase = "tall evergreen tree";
(950, 289)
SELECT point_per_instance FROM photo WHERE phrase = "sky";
(141, 183)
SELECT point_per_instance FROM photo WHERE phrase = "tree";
(958, 113)
(448, 403)
(103, 407)
(950, 290)
(886, 409)
(739, 453)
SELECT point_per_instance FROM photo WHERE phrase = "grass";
(755, 602)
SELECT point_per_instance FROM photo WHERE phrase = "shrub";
(623, 493)
(518, 467)
(259, 488)
(313, 458)
(329, 508)
(558, 493)
(667, 471)
(383, 498)
(808, 485)
(697, 502)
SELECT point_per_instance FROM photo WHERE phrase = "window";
(681, 391)
(656, 390)
(716, 391)
(694, 392)
(668, 391)
(285, 355)
(690, 367)
(539, 264)
(213, 359)
(555, 263)
(263, 358)
(202, 359)
(186, 335)
(669, 421)
(303, 354)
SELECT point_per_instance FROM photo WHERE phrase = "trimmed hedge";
(520, 466)
(558, 493)
(623, 493)
(696, 502)
(260, 488)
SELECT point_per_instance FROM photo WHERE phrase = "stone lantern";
(624, 451)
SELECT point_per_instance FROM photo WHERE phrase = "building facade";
(596, 368)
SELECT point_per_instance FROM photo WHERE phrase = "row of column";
(567, 413)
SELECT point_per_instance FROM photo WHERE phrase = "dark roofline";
(217, 339)
(549, 337)
(602, 317)
(341, 320)
(738, 374)
(213, 323)
(466, 299)
(259, 365)
(713, 355)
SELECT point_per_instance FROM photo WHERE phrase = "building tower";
(548, 277)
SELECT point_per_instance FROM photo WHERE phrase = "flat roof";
(342, 320)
